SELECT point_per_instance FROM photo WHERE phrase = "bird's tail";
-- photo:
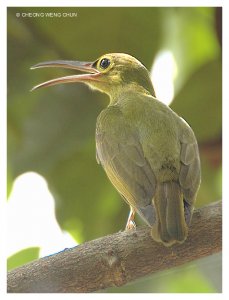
(170, 226)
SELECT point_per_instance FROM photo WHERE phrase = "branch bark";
(119, 258)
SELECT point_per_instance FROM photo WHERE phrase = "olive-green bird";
(149, 153)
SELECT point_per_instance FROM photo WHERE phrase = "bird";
(149, 153)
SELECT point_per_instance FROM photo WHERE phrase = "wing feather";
(120, 153)
(189, 176)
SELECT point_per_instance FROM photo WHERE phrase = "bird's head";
(111, 74)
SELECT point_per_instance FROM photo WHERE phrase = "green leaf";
(180, 283)
(199, 102)
(22, 257)
(189, 33)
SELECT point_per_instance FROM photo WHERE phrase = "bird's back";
(158, 130)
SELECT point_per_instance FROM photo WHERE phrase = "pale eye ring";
(104, 63)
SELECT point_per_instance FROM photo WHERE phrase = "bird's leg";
(130, 222)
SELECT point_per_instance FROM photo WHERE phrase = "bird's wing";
(120, 153)
(189, 176)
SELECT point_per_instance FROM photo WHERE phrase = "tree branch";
(119, 258)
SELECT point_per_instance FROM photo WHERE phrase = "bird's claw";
(130, 225)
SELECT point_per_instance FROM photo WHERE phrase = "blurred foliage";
(51, 131)
(22, 257)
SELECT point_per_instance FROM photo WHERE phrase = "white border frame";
(3, 81)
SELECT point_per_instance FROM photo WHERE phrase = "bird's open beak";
(92, 72)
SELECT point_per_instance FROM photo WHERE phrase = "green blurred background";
(51, 131)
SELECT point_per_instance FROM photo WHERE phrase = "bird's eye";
(105, 62)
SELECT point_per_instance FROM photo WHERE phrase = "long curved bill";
(92, 72)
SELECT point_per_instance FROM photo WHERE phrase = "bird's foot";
(130, 225)
(130, 222)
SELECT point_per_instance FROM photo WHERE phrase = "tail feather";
(171, 226)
